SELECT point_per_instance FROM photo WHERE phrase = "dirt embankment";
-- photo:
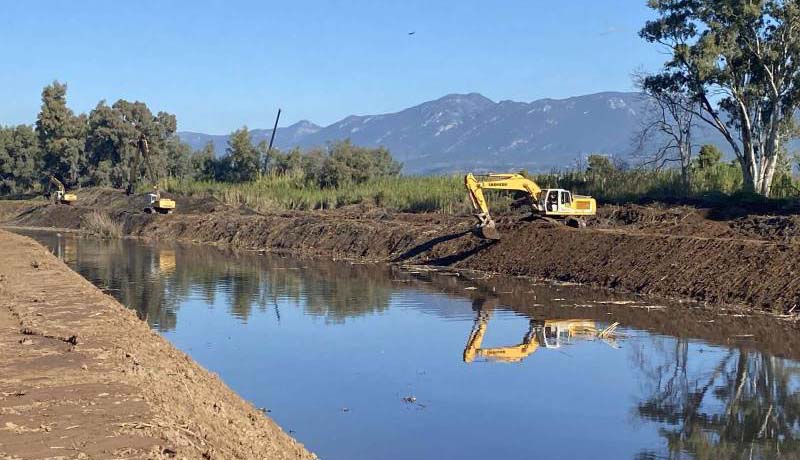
(721, 257)
(82, 377)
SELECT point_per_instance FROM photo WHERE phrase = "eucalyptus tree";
(739, 61)
(61, 135)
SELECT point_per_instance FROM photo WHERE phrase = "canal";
(380, 362)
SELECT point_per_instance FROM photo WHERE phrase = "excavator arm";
(142, 153)
(475, 188)
(58, 184)
(61, 192)
(509, 354)
(157, 203)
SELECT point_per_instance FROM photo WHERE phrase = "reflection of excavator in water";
(61, 195)
(551, 204)
(156, 202)
(547, 333)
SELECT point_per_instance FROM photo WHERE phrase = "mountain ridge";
(458, 131)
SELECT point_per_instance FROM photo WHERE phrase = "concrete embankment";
(749, 260)
(82, 377)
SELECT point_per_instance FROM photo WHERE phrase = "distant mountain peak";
(304, 124)
(464, 97)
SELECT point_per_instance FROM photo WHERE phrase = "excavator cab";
(560, 202)
(156, 203)
(551, 334)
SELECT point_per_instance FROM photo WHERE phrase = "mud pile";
(680, 252)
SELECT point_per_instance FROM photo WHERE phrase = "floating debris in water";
(609, 331)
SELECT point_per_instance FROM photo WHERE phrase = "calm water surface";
(372, 362)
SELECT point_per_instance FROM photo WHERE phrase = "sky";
(219, 65)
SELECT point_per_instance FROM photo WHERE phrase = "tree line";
(83, 150)
(99, 149)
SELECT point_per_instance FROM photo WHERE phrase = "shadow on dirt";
(429, 245)
(451, 257)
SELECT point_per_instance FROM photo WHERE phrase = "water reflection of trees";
(157, 280)
(733, 404)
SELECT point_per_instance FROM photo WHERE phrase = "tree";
(668, 123)
(739, 61)
(108, 146)
(61, 134)
(600, 165)
(111, 143)
(708, 157)
(348, 163)
(204, 164)
(20, 159)
(243, 156)
(178, 158)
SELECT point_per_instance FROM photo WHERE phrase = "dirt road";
(725, 256)
(82, 377)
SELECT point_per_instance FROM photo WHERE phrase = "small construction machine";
(553, 204)
(60, 195)
(156, 203)
(547, 334)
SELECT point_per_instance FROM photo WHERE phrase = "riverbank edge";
(62, 334)
(746, 273)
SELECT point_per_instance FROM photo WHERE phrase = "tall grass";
(446, 194)
(292, 192)
(101, 225)
(634, 185)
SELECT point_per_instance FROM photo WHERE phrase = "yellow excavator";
(552, 204)
(61, 195)
(547, 333)
(156, 203)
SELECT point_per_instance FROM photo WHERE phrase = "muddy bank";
(737, 259)
(82, 377)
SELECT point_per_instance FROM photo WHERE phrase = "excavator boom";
(61, 193)
(157, 202)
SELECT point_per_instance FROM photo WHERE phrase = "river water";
(377, 362)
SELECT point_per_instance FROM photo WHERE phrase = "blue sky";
(220, 65)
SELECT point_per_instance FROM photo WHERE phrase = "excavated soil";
(82, 377)
(727, 256)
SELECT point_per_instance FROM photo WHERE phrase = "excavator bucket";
(488, 232)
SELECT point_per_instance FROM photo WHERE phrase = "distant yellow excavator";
(61, 195)
(553, 203)
(547, 333)
(156, 203)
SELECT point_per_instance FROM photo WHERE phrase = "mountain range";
(461, 132)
